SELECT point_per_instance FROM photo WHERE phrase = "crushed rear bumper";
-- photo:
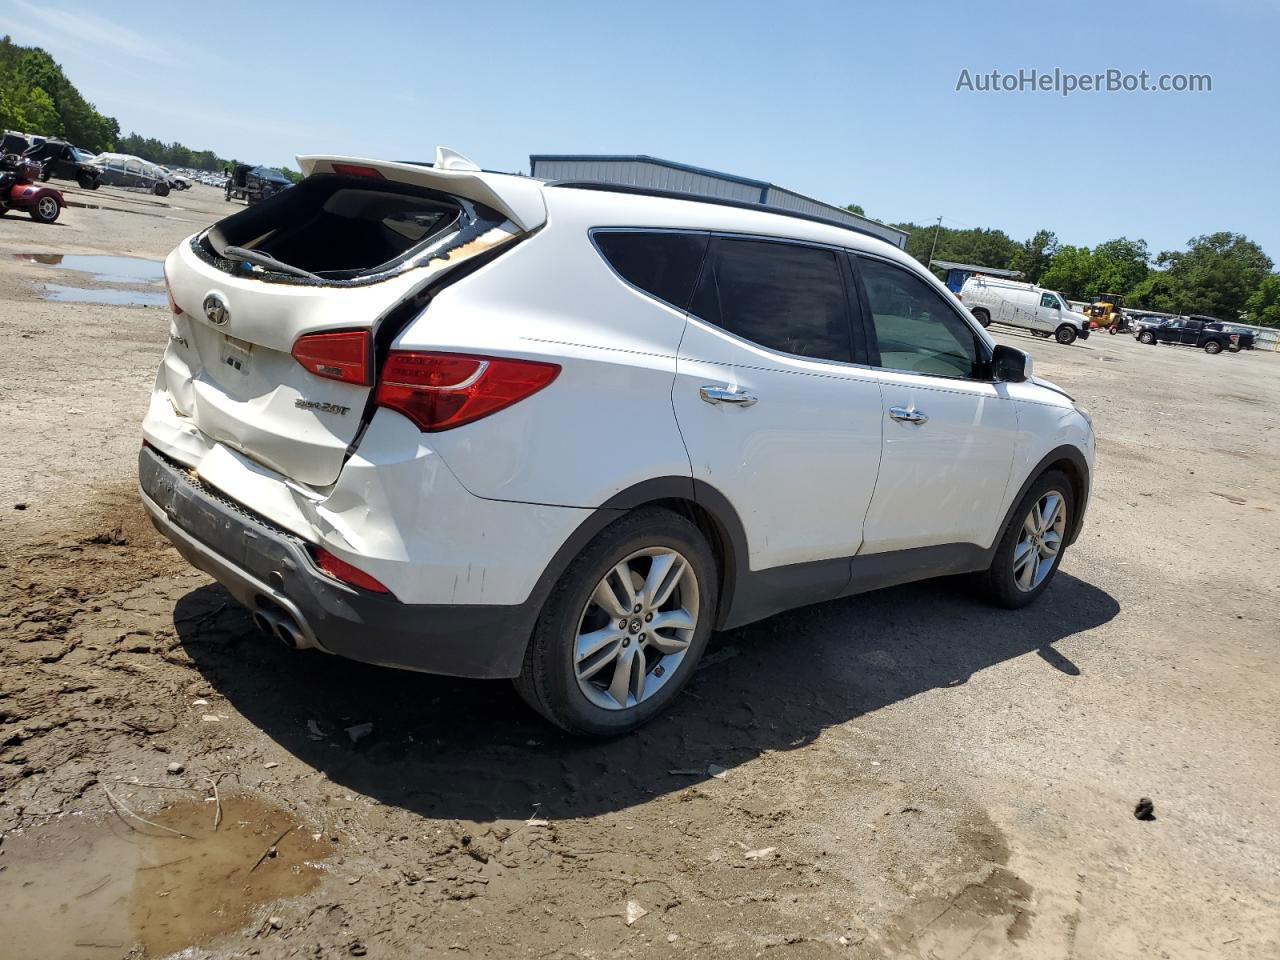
(270, 571)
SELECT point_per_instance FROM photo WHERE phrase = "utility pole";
(935, 242)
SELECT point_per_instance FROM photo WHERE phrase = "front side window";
(782, 296)
(663, 265)
(1050, 301)
(916, 329)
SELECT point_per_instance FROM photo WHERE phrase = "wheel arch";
(1071, 461)
(711, 512)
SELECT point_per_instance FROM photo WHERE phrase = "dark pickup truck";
(1205, 332)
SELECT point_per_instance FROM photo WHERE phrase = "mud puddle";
(102, 267)
(79, 889)
(106, 295)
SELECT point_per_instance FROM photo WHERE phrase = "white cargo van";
(1043, 312)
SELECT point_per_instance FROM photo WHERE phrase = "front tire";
(1030, 550)
(1147, 337)
(1065, 334)
(624, 628)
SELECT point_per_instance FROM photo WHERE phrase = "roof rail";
(607, 187)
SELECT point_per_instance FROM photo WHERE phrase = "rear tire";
(576, 692)
(982, 316)
(1147, 337)
(160, 189)
(1212, 347)
(46, 210)
(1006, 582)
(1066, 334)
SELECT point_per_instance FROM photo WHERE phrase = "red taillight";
(341, 570)
(337, 356)
(439, 391)
(356, 170)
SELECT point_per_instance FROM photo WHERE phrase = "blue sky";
(841, 100)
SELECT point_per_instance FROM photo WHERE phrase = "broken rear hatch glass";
(336, 254)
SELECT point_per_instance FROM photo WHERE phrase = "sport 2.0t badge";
(216, 310)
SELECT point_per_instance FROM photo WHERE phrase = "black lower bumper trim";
(266, 568)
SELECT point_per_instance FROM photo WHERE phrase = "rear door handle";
(905, 415)
(715, 393)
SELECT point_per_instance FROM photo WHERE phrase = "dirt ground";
(903, 774)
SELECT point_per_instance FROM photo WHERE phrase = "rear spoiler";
(519, 199)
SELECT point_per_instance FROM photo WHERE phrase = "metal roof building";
(651, 172)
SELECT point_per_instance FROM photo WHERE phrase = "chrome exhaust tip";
(290, 634)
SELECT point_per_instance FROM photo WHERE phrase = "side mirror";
(1010, 365)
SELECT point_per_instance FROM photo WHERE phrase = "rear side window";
(663, 265)
(782, 296)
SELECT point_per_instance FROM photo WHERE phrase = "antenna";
(447, 159)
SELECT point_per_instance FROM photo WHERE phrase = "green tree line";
(36, 97)
(1222, 274)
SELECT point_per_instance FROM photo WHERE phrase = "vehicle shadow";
(459, 749)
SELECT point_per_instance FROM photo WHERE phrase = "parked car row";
(1047, 313)
(58, 159)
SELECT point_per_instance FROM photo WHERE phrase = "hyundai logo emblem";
(215, 309)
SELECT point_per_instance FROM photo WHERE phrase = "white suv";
(481, 425)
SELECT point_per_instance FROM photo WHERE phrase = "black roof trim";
(606, 187)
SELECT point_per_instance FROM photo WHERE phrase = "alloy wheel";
(1040, 541)
(636, 628)
(48, 208)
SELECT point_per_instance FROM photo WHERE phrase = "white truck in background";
(1016, 304)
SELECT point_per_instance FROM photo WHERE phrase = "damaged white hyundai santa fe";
(477, 424)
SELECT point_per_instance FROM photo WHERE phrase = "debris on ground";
(764, 853)
(634, 912)
(314, 731)
(175, 768)
(111, 538)
(359, 731)
(717, 771)
(1145, 809)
